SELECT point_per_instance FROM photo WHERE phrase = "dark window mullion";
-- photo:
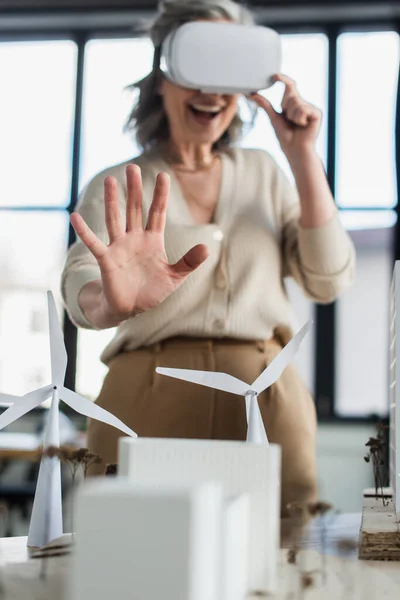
(70, 331)
(396, 241)
(325, 367)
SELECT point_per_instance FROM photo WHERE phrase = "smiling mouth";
(205, 112)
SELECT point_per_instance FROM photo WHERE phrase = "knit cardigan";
(255, 241)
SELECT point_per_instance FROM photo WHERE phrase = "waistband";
(281, 336)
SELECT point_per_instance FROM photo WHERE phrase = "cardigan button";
(219, 324)
(218, 235)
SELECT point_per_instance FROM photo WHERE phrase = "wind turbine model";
(46, 519)
(227, 383)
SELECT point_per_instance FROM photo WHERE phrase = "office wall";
(342, 471)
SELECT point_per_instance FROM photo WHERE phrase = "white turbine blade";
(23, 405)
(218, 381)
(8, 399)
(256, 433)
(93, 411)
(58, 352)
(280, 362)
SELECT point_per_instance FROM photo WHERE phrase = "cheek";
(175, 112)
(231, 112)
(169, 106)
(174, 101)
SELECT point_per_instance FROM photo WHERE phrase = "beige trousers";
(157, 406)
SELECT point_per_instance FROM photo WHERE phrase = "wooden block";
(386, 492)
(394, 387)
(147, 542)
(241, 467)
(380, 530)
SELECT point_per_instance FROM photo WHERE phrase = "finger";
(134, 198)
(112, 210)
(302, 113)
(290, 99)
(91, 241)
(293, 104)
(289, 83)
(158, 208)
(291, 93)
(297, 113)
(299, 117)
(191, 261)
(267, 106)
(314, 114)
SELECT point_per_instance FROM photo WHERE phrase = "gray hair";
(147, 119)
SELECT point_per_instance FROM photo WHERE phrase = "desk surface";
(14, 446)
(346, 576)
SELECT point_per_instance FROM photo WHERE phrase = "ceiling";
(36, 14)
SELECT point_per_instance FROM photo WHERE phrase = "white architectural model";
(46, 520)
(395, 387)
(159, 541)
(227, 383)
(235, 548)
(242, 468)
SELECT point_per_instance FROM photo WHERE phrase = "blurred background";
(64, 67)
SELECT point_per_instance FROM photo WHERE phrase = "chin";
(205, 140)
(205, 137)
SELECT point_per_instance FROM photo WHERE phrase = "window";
(366, 180)
(27, 270)
(110, 66)
(36, 122)
(362, 346)
(367, 86)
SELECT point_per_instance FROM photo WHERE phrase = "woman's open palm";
(134, 268)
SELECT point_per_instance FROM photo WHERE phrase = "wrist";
(107, 318)
(95, 307)
(306, 160)
(302, 154)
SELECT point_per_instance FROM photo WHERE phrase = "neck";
(190, 157)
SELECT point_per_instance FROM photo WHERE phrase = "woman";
(200, 285)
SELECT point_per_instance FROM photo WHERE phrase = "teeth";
(207, 109)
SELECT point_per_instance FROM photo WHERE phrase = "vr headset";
(223, 58)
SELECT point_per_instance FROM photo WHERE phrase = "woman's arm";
(317, 251)
(316, 201)
(297, 128)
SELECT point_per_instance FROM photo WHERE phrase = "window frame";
(325, 315)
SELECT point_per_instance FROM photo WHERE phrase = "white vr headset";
(223, 58)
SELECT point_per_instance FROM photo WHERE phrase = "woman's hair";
(147, 119)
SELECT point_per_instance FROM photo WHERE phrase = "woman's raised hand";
(135, 273)
(298, 125)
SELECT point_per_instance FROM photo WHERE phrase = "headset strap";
(156, 58)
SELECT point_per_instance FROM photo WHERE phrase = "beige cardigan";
(254, 242)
